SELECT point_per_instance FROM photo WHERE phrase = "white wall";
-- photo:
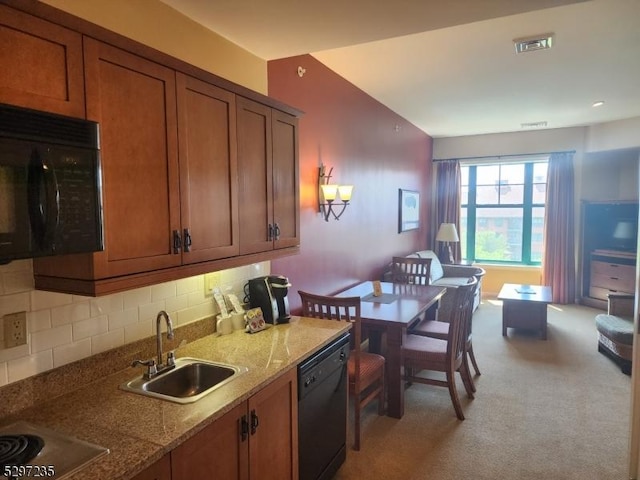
(614, 135)
(513, 143)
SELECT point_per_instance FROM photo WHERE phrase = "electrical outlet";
(15, 329)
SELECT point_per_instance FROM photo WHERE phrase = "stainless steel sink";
(190, 380)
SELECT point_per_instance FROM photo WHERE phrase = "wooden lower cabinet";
(258, 439)
(161, 470)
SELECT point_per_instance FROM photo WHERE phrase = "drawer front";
(600, 293)
(626, 272)
(620, 274)
(612, 283)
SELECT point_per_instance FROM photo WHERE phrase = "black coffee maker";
(270, 294)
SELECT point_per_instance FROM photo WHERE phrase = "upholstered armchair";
(450, 276)
(615, 330)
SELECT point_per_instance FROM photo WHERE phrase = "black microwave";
(50, 185)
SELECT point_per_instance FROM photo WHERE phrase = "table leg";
(395, 385)
(375, 339)
(504, 319)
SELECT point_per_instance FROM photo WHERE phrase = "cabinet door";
(134, 100)
(161, 470)
(218, 451)
(286, 204)
(273, 446)
(41, 64)
(208, 170)
(255, 181)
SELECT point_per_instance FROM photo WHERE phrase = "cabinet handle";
(270, 233)
(244, 428)
(177, 241)
(187, 240)
(277, 231)
(254, 422)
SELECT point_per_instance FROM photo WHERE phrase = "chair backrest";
(410, 270)
(460, 321)
(337, 308)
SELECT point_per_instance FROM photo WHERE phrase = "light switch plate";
(211, 282)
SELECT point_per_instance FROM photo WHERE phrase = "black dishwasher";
(322, 411)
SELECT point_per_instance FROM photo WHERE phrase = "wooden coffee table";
(525, 306)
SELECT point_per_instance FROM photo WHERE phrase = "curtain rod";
(502, 156)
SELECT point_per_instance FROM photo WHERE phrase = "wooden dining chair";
(411, 270)
(448, 356)
(440, 329)
(366, 370)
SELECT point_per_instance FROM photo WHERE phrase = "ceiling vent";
(531, 44)
(533, 125)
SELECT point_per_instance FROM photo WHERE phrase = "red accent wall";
(368, 146)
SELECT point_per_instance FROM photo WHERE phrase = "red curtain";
(447, 204)
(558, 263)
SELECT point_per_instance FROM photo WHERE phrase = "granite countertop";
(139, 430)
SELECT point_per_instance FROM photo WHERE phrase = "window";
(503, 206)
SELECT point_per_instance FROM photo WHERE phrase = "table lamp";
(448, 234)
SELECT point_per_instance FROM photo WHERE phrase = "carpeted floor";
(543, 410)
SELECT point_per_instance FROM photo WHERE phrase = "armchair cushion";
(617, 329)
(437, 272)
(452, 281)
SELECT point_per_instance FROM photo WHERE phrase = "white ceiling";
(450, 67)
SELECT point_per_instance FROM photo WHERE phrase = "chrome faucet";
(155, 368)
(170, 357)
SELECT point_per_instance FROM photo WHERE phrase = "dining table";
(396, 307)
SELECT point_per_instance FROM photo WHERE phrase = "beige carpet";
(543, 410)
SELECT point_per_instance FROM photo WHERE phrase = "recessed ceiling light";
(530, 44)
(599, 103)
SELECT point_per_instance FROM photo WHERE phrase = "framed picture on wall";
(408, 210)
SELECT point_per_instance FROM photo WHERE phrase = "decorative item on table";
(377, 288)
(237, 312)
(255, 320)
(448, 234)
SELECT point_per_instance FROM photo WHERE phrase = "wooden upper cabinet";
(208, 170)
(268, 178)
(134, 101)
(286, 194)
(41, 64)
(255, 184)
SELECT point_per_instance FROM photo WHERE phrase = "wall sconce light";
(328, 193)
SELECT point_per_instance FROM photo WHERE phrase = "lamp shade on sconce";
(328, 194)
(329, 191)
(345, 192)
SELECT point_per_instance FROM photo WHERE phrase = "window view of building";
(503, 207)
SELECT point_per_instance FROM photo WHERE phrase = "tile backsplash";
(63, 328)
